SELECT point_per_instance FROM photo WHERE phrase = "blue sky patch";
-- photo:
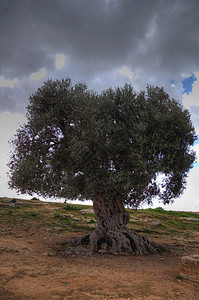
(172, 81)
(188, 84)
(196, 165)
(196, 141)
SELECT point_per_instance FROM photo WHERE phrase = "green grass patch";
(172, 213)
(92, 221)
(69, 245)
(70, 218)
(88, 215)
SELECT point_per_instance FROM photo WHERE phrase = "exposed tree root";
(114, 242)
(112, 234)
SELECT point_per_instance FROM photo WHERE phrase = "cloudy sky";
(103, 43)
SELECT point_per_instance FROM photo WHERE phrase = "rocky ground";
(33, 263)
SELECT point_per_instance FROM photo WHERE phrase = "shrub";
(71, 207)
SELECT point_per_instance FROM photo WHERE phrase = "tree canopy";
(108, 147)
(80, 144)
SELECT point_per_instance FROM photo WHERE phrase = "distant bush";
(57, 215)
(71, 207)
(35, 199)
(13, 200)
(160, 208)
(33, 214)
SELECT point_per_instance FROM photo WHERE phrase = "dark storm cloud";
(98, 32)
(158, 38)
(178, 35)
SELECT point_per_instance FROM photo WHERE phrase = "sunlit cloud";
(60, 61)
(183, 75)
(38, 75)
(189, 200)
(8, 82)
(126, 72)
(151, 31)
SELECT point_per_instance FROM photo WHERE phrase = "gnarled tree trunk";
(112, 231)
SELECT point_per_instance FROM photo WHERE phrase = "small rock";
(65, 216)
(18, 203)
(47, 254)
(102, 251)
(58, 229)
(155, 223)
(87, 211)
(190, 219)
(18, 236)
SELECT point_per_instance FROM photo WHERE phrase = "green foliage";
(35, 199)
(91, 221)
(69, 245)
(71, 207)
(33, 214)
(57, 215)
(79, 144)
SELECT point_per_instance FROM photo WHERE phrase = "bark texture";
(112, 234)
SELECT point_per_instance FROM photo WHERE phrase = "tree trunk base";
(122, 241)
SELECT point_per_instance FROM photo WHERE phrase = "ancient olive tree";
(108, 147)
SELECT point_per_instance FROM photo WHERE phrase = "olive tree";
(109, 148)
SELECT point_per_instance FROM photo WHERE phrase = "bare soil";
(33, 265)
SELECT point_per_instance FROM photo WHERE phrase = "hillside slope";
(34, 264)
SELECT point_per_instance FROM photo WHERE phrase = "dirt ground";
(33, 266)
